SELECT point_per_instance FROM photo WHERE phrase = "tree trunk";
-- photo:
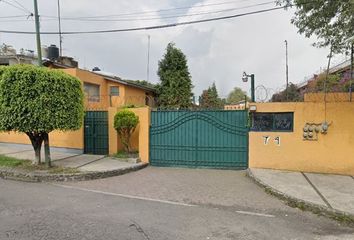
(36, 140)
(47, 150)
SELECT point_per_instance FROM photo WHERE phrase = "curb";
(18, 175)
(302, 204)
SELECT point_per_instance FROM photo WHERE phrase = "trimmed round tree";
(36, 101)
(125, 123)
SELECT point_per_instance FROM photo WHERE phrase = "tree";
(210, 98)
(236, 95)
(125, 123)
(334, 83)
(292, 94)
(36, 101)
(331, 21)
(175, 88)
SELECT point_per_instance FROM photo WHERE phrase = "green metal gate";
(96, 132)
(203, 139)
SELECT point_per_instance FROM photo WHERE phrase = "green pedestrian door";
(96, 133)
(199, 139)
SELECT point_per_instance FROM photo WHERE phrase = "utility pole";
(287, 69)
(148, 60)
(38, 36)
(60, 36)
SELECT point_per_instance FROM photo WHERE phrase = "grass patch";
(27, 165)
(123, 154)
(9, 161)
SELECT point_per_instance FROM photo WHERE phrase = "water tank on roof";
(53, 52)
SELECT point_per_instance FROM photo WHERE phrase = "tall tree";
(36, 101)
(210, 98)
(175, 88)
(331, 21)
(236, 95)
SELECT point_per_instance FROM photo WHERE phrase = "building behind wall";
(103, 91)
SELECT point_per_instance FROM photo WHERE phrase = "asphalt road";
(89, 210)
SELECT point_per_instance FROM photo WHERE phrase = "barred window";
(272, 122)
(92, 92)
(114, 91)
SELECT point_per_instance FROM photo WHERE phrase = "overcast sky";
(216, 51)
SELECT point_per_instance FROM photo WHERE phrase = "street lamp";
(245, 77)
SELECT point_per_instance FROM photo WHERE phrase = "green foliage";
(175, 88)
(291, 95)
(236, 95)
(9, 161)
(330, 21)
(27, 165)
(332, 83)
(210, 99)
(34, 99)
(125, 155)
(125, 123)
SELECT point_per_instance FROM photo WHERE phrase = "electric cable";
(147, 27)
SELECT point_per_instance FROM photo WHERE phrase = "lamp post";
(245, 77)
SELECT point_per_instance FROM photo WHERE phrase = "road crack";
(139, 229)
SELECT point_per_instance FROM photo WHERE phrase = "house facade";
(103, 91)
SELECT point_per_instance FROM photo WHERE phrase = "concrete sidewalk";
(69, 158)
(334, 193)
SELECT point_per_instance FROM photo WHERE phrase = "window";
(92, 92)
(114, 91)
(269, 122)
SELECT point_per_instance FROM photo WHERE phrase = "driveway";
(224, 188)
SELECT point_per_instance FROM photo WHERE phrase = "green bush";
(125, 123)
(37, 100)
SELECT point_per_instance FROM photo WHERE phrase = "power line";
(15, 6)
(149, 27)
(15, 16)
(166, 17)
(155, 11)
(23, 7)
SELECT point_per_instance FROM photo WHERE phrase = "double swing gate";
(199, 139)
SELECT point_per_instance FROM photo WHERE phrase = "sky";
(218, 51)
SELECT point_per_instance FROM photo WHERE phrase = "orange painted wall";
(330, 97)
(140, 137)
(71, 139)
(332, 153)
(75, 139)
(134, 96)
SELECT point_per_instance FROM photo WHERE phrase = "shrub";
(125, 123)
(36, 101)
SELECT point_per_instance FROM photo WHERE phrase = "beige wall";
(134, 96)
(332, 153)
(140, 137)
(72, 139)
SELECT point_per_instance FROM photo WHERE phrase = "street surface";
(156, 203)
